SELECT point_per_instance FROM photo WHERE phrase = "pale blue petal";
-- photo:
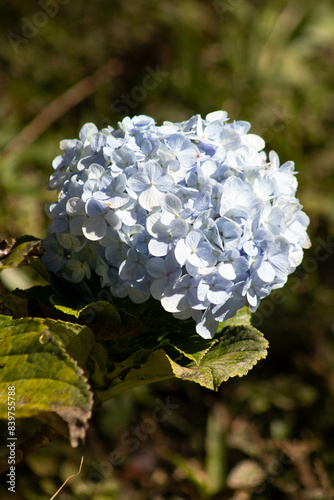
(158, 248)
(150, 198)
(94, 208)
(87, 131)
(75, 206)
(227, 270)
(208, 325)
(138, 182)
(156, 267)
(171, 203)
(94, 228)
(182, 252)
(158, 287)
(76, 224)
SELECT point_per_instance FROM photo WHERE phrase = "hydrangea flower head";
(194, 214)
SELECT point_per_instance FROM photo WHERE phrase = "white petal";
(174, 303)
(138, 182)
(182, 252)
(150, 198)
(113, 220)
(75, 206)
(158, 248)
(226, 270)
(165, 183)
(87, 131)
(171, 203)
(217, 115)
(94, 229)
(153, 226)
(266, 272)
(207, 327)
(218, 297)
(253, 141)
(252, 298)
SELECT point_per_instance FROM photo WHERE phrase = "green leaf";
(236, 351)
(35, 360)
(77, 339)
(207, 362)
(98, 367)
(191, 346)
(143, 367)
(38, 266)
(242, 318)
(63, 306)
(103, 318)
(100, 312)
(22, 253)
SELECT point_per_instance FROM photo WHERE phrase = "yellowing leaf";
(44, 376)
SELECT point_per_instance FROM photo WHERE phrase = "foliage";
(50, 361)
(47, 379)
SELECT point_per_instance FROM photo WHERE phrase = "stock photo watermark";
(130, 440)
(11, 438)
(127, 102)
(274, 469)
(223, 7)
(30, 26)
(277, 123)
(323, 249)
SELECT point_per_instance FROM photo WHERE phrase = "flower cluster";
(192, 213)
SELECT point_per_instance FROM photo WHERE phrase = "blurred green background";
(63, 63)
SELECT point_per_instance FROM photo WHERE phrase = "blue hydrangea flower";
(194, 214)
